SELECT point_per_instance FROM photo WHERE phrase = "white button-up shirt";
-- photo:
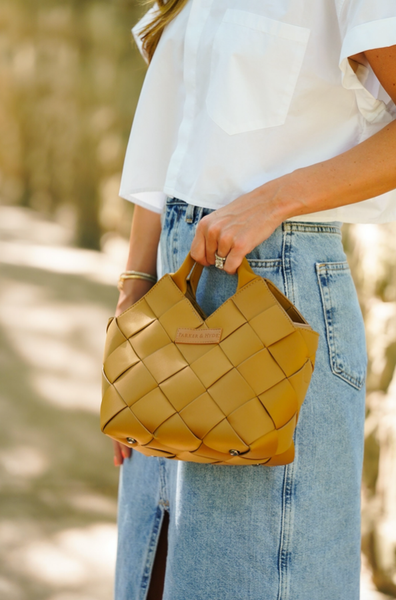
(240, 92)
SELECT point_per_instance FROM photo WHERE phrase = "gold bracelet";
(134, 275)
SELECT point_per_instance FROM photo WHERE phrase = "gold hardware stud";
(234, 452)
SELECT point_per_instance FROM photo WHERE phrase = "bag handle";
(190, 273)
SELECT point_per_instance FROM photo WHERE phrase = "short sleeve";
(365, 25)
(140, 25)
(151, 200)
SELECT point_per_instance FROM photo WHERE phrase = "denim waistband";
(194, 213)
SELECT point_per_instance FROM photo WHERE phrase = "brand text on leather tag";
(198, 336)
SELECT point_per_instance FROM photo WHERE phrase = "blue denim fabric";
(263, 533)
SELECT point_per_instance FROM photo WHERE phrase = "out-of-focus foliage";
(371, 251)
(70, 77)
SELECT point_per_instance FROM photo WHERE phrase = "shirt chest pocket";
(255, 65)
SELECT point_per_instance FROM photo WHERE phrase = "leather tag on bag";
(198, 336)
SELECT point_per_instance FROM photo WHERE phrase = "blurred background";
(70, 77)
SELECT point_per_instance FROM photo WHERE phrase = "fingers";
(198, 246)
(233, 250)
(120, 452)
(231, 232)
(210, 238)
(215, 236)
(234, 259)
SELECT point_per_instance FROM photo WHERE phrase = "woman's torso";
(240, 92)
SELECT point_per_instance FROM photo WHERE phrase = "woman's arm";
(143, 245)
(363, 172)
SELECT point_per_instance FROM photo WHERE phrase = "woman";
(261, 127)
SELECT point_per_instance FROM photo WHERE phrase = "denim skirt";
(262, 533)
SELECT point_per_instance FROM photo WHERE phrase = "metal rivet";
(131, 440)
(234, 452)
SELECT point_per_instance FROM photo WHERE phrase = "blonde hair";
(151, 34)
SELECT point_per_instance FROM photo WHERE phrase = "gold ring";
(219, 261)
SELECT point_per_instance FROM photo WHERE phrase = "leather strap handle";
(245, 273)
(190, 272)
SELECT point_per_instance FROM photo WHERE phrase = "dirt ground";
(58, 484)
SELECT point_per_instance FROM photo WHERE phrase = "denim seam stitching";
(336, 266)
(266, 263)
(290, 469)
(163, 498)
(281, 538)
(285, 533)
(357, 383)
(334, 360)
(314, 228)
(321, 271)
(286, 264)
(331, 230)
(284, 547)
(174, 242)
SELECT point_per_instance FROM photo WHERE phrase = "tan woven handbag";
(225, 389)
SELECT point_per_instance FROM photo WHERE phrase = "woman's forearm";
(143, 242)
(142, 255)
(365, 171)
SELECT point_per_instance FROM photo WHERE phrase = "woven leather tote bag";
(223, 389)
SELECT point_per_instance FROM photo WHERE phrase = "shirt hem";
(139, 202)
(311, 217)
(327, 216)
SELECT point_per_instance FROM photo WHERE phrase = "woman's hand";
(234, 230)
(120, 452)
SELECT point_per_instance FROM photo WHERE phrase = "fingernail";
(125, 453)
(116, 462)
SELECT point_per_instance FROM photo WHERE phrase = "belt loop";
(190, 213)
(287, 235)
